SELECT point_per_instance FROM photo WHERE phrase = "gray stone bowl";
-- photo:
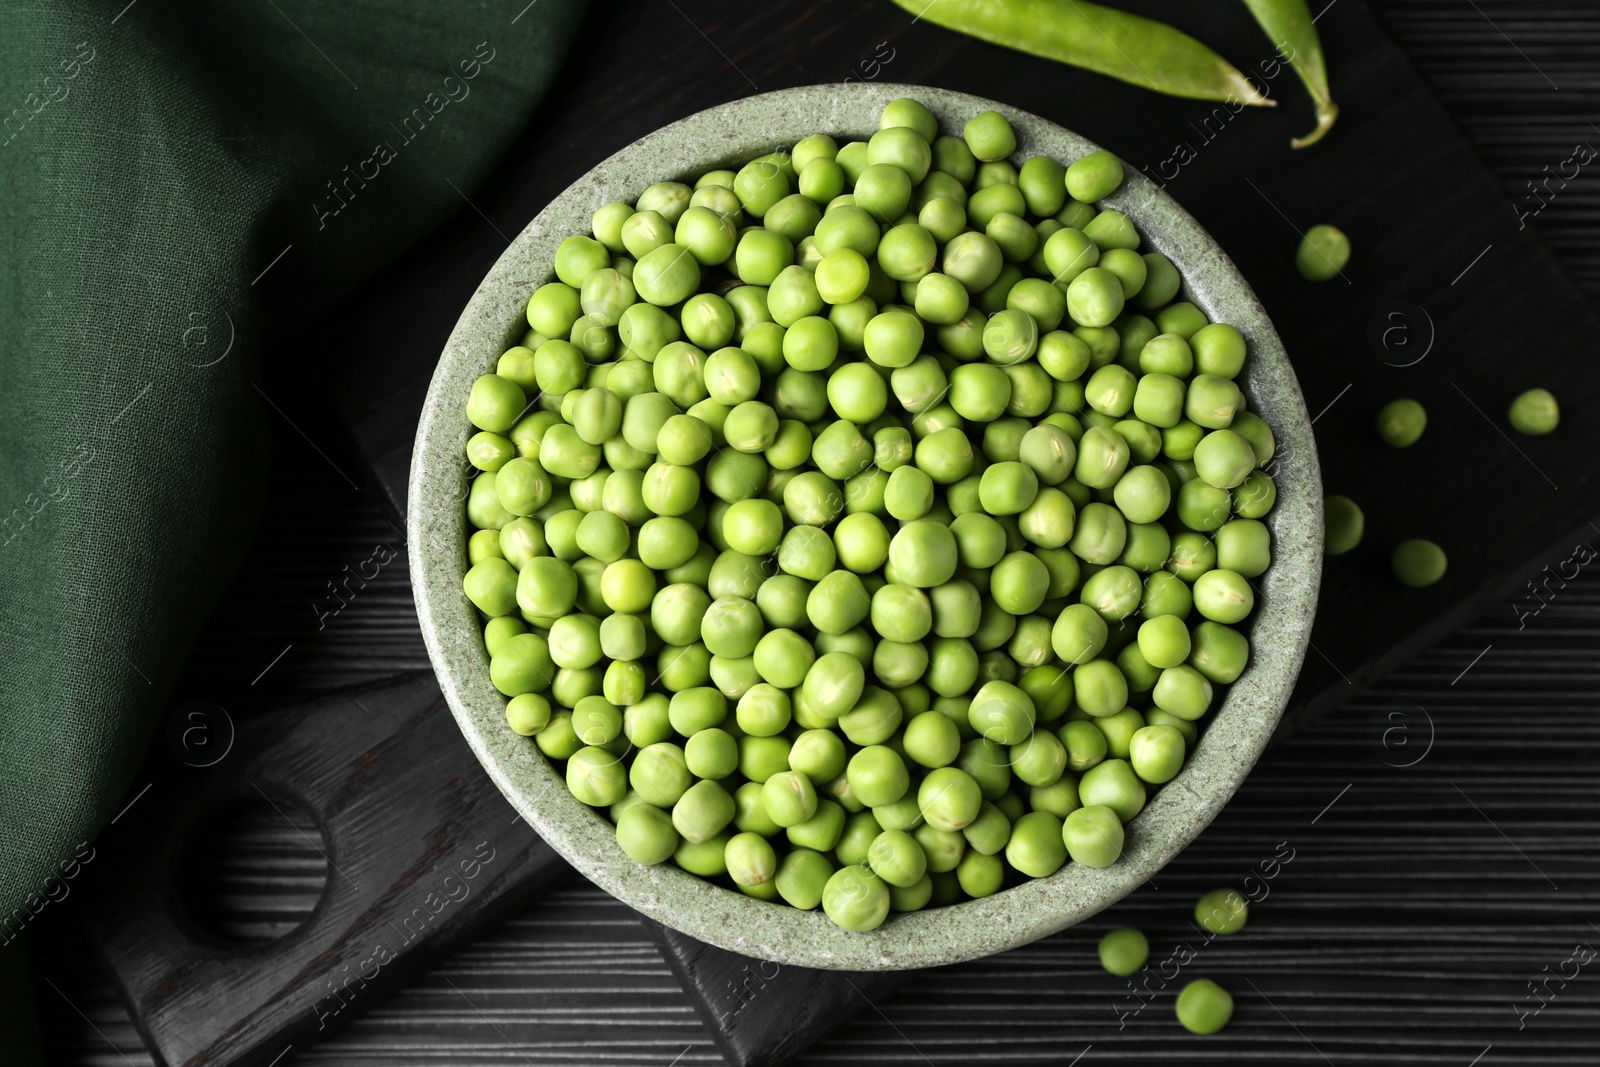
(1235, 733)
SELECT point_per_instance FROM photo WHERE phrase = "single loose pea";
(1416, 563)
(1535, 413)
(596, 777)
(1401, 422)
(1124, 951)
(1222, 911)
(1323, 253)
(1344, 524)
(1203, 1007)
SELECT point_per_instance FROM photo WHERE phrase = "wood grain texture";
(417, 857)
(1417, 908)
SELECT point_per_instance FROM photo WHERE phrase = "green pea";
(1101, 533)
(1324, 250)
(703, 858)
(1203, 507)
(491, 585)
(1224, 459)
(1123, 952)
(660, 774)
(1219, 652)
(1094, 177)
(883, 190)
(856, 899)
(553, 308)
(782, 657)
(1344, 522)
(989, 832)
(895, 856)
(1401, 422)
(974, 260)
(646, 834)
(1203, 1007)
(751, 859)
(1036, 847)
(802, 878)
(1534, 413)
(1212, 401)
(1416, 563)
(795, 217)
(907, 252)
(821, 180)
(989, 136)
(1093, 836)
(702, 812)
(1042, 181)
(528, 714)
(697, 708)
(1225, 596)
(495, 403)
(1079, 634)
(1102, 457)
(878, 776)
(1085, 745)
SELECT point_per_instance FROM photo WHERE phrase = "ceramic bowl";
(1235, 733)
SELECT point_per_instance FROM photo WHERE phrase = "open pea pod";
(1120, 45)
(1292, 30)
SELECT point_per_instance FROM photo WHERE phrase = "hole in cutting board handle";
(252, 872)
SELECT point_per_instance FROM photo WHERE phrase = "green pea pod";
(1289, 26)
(1127, 47)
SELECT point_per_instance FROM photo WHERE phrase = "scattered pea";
(1401, 422)
(1535, 413)
(1323, 253)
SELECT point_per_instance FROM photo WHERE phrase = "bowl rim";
(1236, 732)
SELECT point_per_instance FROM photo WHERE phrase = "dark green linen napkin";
(178, 178)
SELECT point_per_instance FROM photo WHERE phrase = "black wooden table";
(1442, 827)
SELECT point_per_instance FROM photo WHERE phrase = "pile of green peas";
(869, 526)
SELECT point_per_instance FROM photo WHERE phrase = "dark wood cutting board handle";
(423, 854)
